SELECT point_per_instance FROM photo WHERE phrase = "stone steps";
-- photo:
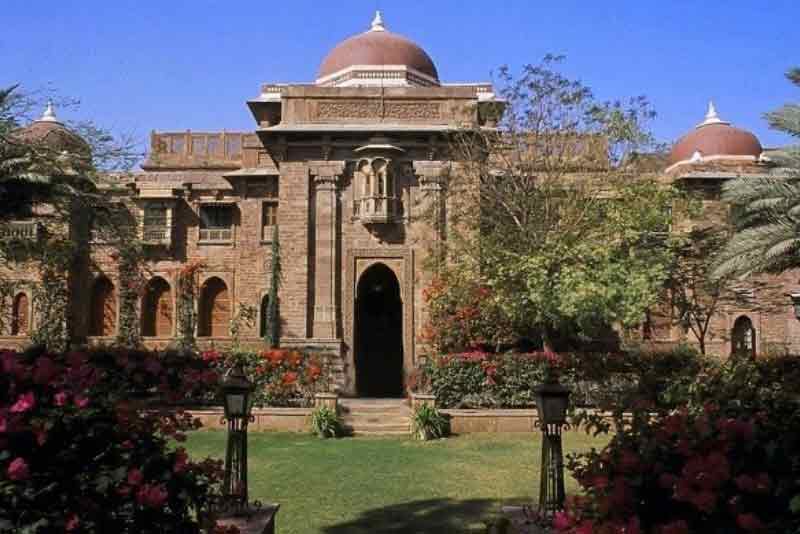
(364, 417)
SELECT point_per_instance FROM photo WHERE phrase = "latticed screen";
(216, 223)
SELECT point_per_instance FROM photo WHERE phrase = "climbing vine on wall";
(131, 284)
(187, 297)
(51, 296)
(272, 321)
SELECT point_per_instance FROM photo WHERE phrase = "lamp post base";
(260, 521)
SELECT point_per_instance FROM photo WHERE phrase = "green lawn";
(389, 485)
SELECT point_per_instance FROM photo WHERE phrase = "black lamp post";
(552, 400)
(237, 392)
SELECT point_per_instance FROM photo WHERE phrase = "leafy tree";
(767, 208)
(552, 213)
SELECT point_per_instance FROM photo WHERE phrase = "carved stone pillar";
(326, 179)
(432, 178)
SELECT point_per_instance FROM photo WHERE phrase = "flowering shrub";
(606, 380)
(281, 377)
(79, 453)
(724, 462)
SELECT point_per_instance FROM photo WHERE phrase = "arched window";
(20, 312)
(215, 309)
(743, 338)
(103, 313)
(157, 309)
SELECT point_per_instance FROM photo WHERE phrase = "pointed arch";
(157, 309)
(20, 315)
(743, 338)
(103, 312)
(215, 309)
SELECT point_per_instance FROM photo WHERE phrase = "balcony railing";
(20, 230)
(191, 149)
(376, 209)
(216, 234)
(155, 234)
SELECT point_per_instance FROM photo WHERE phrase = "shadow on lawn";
(440, 516)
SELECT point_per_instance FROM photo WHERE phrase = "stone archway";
(743, 338)
(379, 333)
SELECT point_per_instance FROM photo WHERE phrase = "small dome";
(714, 137)
(50, 133)
(377, 47)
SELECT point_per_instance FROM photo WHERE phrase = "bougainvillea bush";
(82, 449)
(727, 461)
(281, 377)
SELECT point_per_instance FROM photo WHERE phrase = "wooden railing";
(216, 234)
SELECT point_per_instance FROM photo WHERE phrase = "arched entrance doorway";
(379, 334)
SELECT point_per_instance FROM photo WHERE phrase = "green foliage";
(325, 423)
(52, 296)
(272, 321)
(604, 380)
(245, 317)
(281, 377)
(428, 423)
(81, 453)
(186, 299)
(131, 281)
(726, 460)
(767, 208)
(547, 217)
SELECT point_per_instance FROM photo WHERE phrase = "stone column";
(326, 176)
(432, 176)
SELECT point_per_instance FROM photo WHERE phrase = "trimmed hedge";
(604, 380)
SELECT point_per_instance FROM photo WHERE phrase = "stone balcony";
(377, 209)
(26, 230)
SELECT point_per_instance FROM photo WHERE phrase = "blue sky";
(139, 65)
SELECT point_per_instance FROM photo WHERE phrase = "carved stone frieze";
(374, 109)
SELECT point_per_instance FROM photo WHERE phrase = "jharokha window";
(215, 309)
(216, 222)
(157, 309)
(155, 223)
(103, 312)
(20, 313)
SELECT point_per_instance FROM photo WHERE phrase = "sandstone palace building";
(344, 166)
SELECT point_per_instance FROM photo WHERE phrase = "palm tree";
(767, 208)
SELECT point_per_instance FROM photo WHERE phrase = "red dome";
(714, 137)
(51, 134)
(377, 47)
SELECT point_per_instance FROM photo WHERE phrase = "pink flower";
(18, 470)
(562, 521)
(72, 523)
(24, 403)
(60, 398)
(676, 527)
(586, 527)
(3, 425)
(82, 401)
(135, 477)
(152, 495)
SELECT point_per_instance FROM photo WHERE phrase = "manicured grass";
(390, 485)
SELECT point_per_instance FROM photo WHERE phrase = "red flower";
(705, 501)
(586, 527)
(211, 356)
(152, 495)
(60, 398)
(72, 523)
(135, 477)
(749, 522)
(18, 470)
(24, 403)
(562, 521)
(3, 425)
(81, 401)
(289, 377)
(181, 460)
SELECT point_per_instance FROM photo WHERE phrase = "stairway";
(388, 417)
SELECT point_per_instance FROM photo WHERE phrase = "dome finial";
(711, 116)
(377, 22)
(49, 114)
